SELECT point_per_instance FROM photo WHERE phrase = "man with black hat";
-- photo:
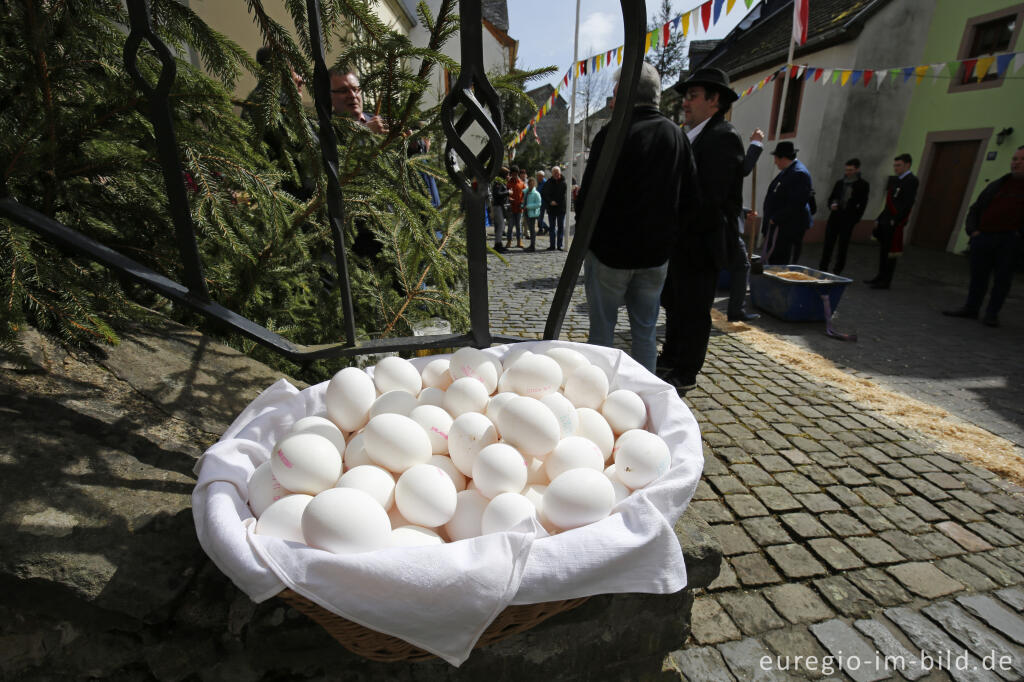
(787, 214)
(709, 243)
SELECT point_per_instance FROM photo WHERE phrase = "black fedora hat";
(709, 77)
(785, 149)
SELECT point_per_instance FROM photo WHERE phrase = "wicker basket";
(377, 646)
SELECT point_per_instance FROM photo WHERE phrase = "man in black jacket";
(709, 243)
(641, 218)
(900, 193)
(995, 223)
(847, 202)
(553, 198)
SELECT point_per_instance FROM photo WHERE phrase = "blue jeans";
(640, 290)
(513, 225)
(556, 225)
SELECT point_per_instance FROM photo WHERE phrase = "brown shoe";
(519, 243)
(508, 243)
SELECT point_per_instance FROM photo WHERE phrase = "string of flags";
(700, 18)
(976, 68)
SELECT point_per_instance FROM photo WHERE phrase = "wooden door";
(949, 174)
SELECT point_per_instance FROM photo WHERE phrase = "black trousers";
(992, 258)
(886, 265)
(837, 233)
(687, 298)
(785, 242)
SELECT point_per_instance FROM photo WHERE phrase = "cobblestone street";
(846, 534)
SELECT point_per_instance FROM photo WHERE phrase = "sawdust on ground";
(954, 434)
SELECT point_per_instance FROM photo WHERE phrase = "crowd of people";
(519, 203)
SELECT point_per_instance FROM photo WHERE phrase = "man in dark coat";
(709, 243)
(652, 185)
(847, 202)
(786, 214)
(553, 197)
(900, 193)
(995, 223)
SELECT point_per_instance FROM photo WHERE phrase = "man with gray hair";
(553, 197)
(641, 219)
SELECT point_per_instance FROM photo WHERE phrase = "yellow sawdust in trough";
(954, 434)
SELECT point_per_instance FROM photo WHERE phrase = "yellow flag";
(618, 56)
(844, 76)
(728, 6)
(920, 71)
(984, 64)
(686, 23)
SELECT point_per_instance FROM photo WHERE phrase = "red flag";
(800, 11)
(817, 74)
(868, 73)
(664, 34)
(793, 71)
(705, 14)
(566, 80)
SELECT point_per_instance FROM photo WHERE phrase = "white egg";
(518, 351)
(283, 519)
(622, 438)
(470, 433)
(621, 491)
(346, 521)
(264, 489)
(535, 471)
(594, 427)
(431, 396)
(306, 463)
(348, 398)
(414, 536)
(426, 496)
(568, 359)
(624, 410)
(578, 497)
(469, 511)
(445, 464)
(378, 483)
(397, 374)
(435, 374)
(499, 468)
(436, 422)
(476, 364)
(355, 452)
(573, 452)
(396, 442)
(321, 427)
(587, 387)
(504, 385)
(534, 376)
(466, 394)
(495, 404)
(642, 459)
(565, 413)
(505, 511)
(528, 425)
(394, 402)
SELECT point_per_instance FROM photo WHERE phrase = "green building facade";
(962, 131)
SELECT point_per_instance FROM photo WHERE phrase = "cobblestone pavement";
(845, 534)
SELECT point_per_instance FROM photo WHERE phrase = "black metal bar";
(634, 20)
(474, 179)
(166, 141)
(329, 152)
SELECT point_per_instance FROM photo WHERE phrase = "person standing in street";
(900, 193)
(709, 241)
(847, 202)
(787, 213)
(516, 187)
(995, 223)
(640, 222)
(554, 196)
(532, 205)
(739, 268)
(542, 227)
(499, 206)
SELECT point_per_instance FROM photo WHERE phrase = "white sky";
(544, 29)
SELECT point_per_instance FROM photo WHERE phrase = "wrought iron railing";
(472, 100)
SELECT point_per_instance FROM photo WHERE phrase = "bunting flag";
(618, 58)
(844, 77)
(907, 73)
(748, 3)
(718, 10)
(937, 70)
(1018, 62)
(826, 76)
(969, 68)
(837, 75)
(868, 74)
(984, 64)
(686, 23)
(666, 33)
(705, 14)
(809, 74)
(728, 6)
(818, 73)
(879, 77)
(793, 71)
(566, 78)
(1002, 62)
(921, 71)
(857, 73)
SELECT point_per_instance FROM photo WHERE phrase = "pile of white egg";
(465, 447)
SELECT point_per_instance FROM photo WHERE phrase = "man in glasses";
(347, 97)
